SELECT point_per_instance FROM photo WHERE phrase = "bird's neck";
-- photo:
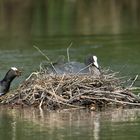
(8, 78)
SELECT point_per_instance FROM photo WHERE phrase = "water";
(82, 125)
(109, 29)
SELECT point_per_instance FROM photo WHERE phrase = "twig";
(134, 88)
(56, 96)
(136, 77)
(54, 93)
(40, 105)
(71, 105)
(68, 56)
(60, 82)
(33, 73)
(48, 59)
(83, 69)
(108, 99)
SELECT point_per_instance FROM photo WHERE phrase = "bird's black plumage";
(6, 82)
(90, 66)
(94, 69)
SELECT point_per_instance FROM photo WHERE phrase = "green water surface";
(109, 29)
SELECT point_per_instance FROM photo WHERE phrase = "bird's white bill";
(96, 64)
(95, 61)
(14, 68)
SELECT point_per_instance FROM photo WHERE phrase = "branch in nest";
(48, 59)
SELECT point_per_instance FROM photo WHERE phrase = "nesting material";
(54, 91)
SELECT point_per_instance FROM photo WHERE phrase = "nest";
(66, 91)
(54, 91)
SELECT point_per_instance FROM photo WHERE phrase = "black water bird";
(74, 67)
(94, 69)
(9, 77)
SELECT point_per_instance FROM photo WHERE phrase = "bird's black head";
(11, 74)
(92, 60)
(5, 83)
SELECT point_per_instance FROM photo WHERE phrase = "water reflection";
(33, 123)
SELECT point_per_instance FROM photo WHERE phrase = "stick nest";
(54, 91)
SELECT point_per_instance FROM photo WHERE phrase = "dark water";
(109, 29)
